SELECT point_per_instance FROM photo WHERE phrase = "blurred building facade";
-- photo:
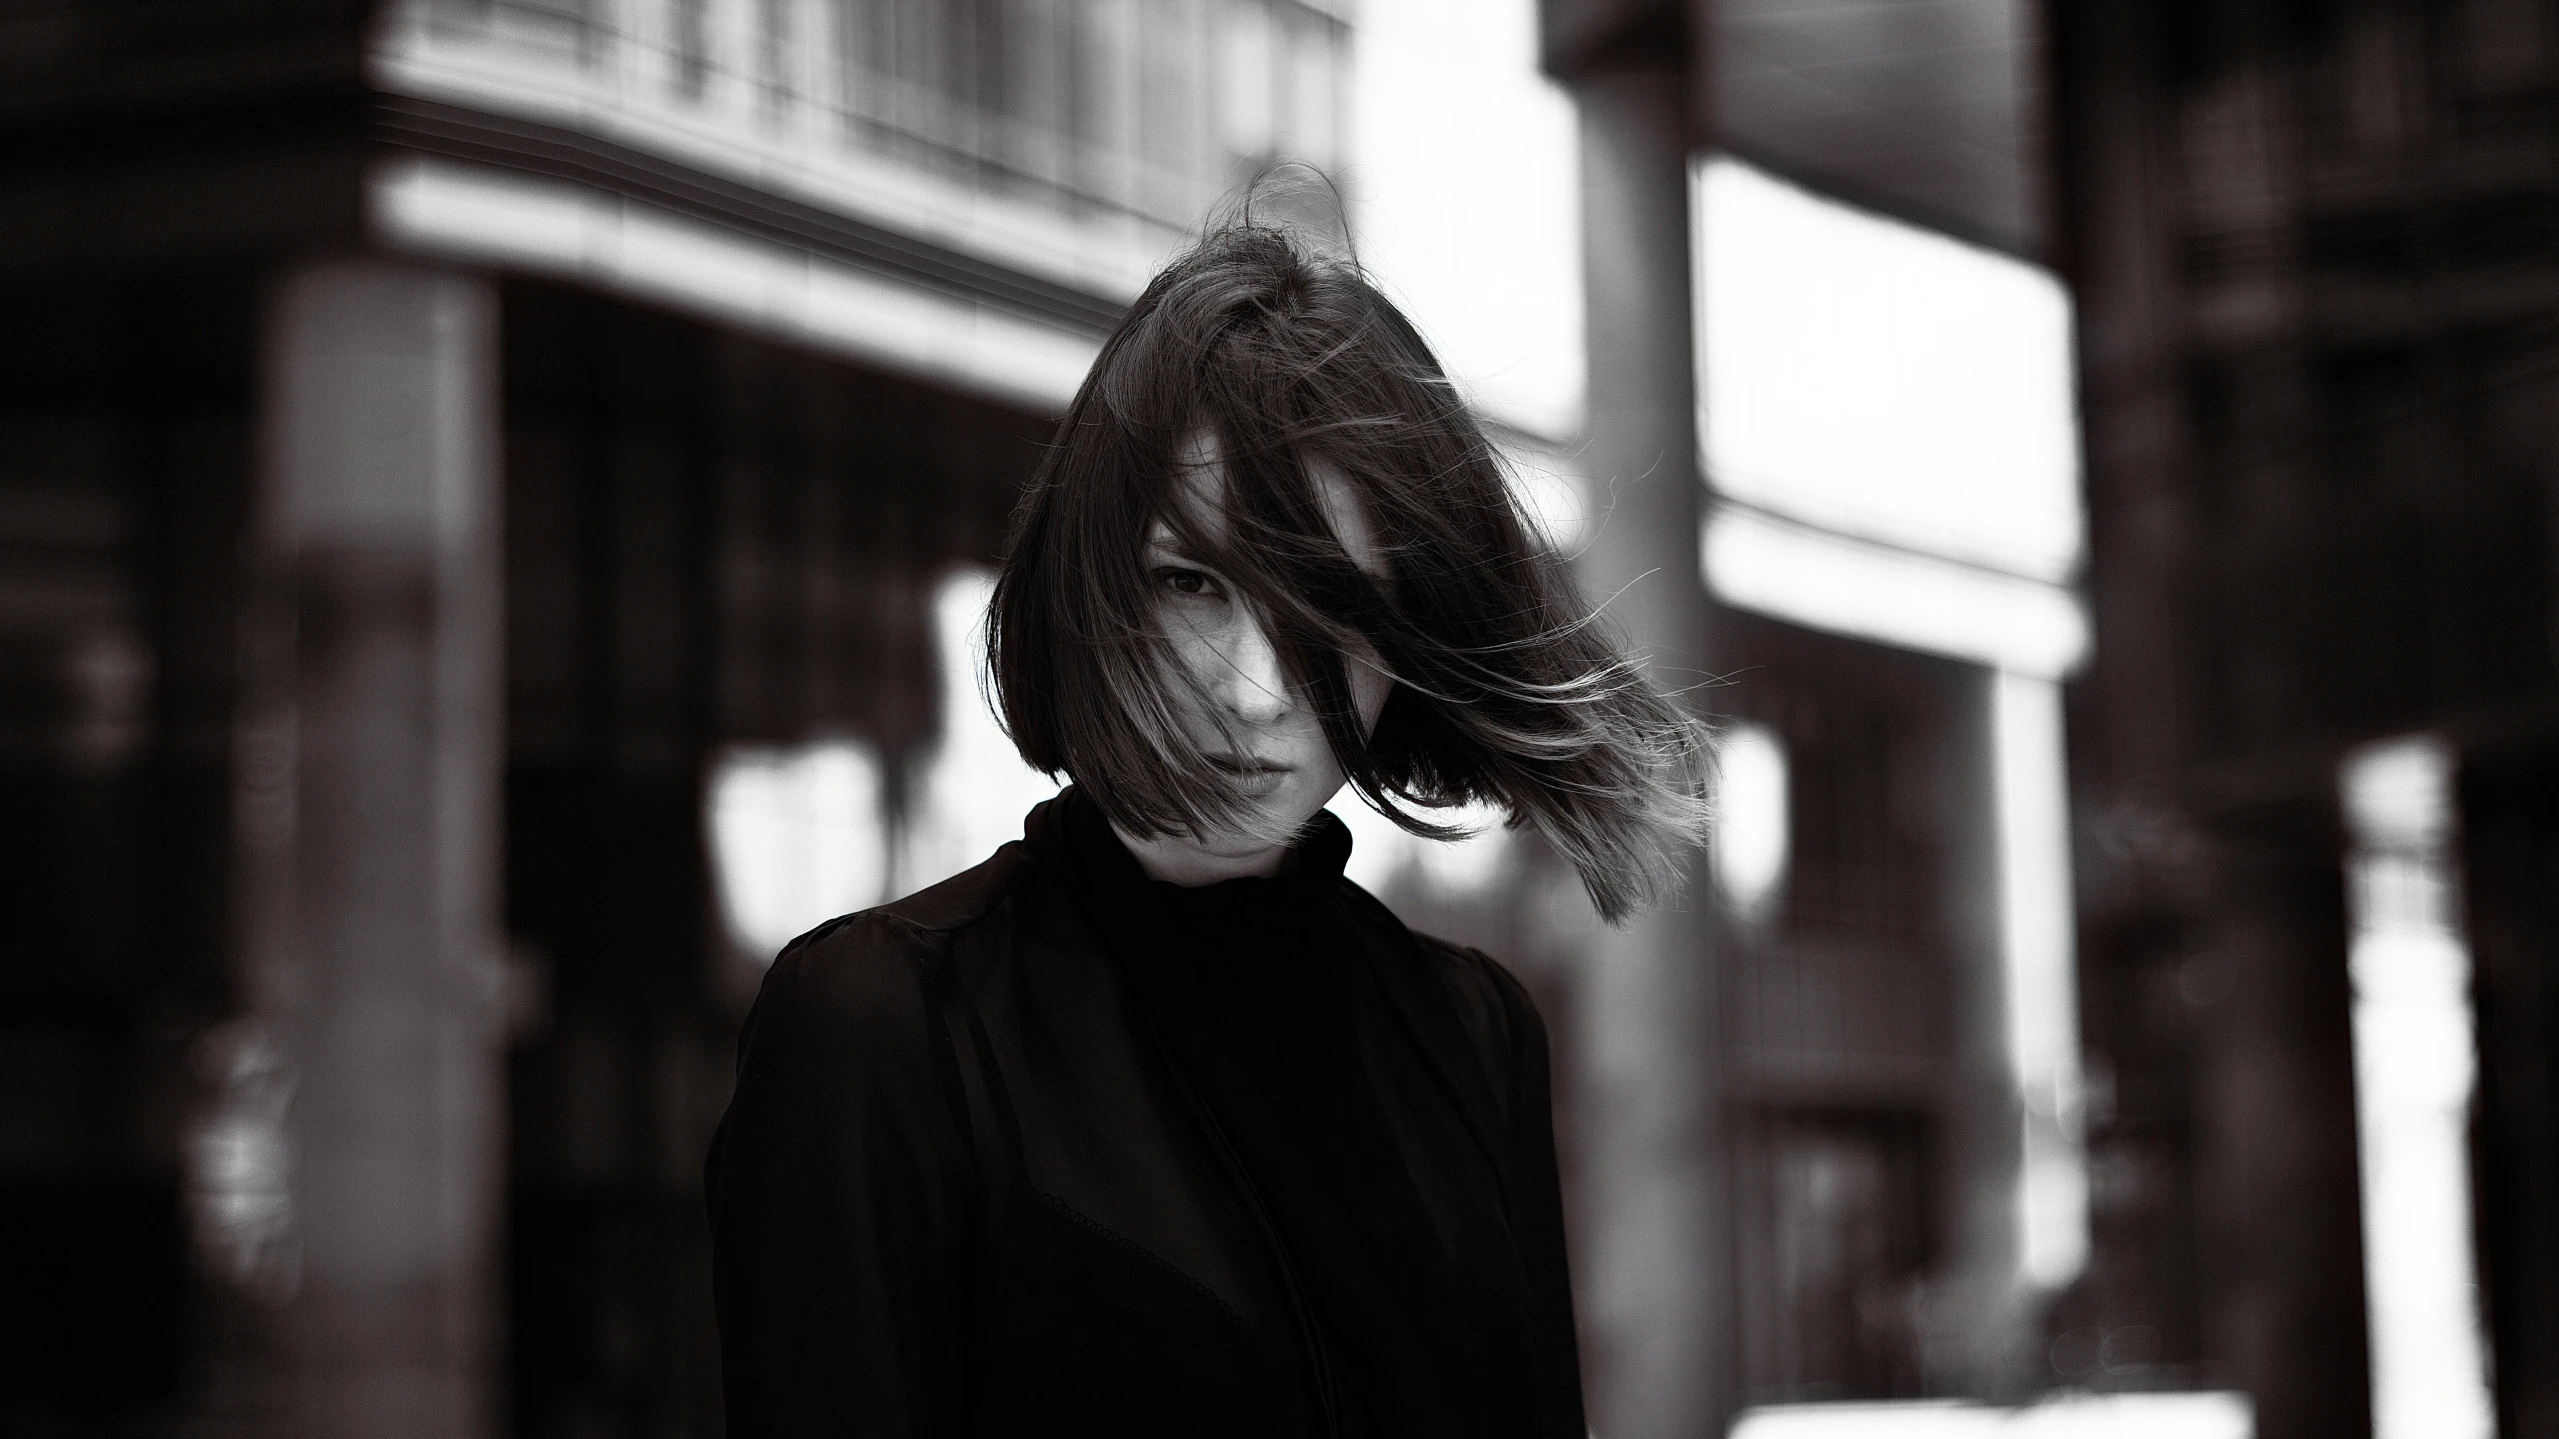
(2308, 244)
(2313, 250)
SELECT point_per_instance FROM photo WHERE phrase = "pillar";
(2015, 1225)
(2278, 1200)
(1657, 1266)
(373, 879)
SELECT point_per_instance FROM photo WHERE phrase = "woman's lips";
(1256, 778)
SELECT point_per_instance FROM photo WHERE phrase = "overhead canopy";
(1928, 110)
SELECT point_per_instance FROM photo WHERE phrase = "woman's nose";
(1249, 682)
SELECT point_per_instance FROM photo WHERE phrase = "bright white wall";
(797, 838)
(1888, 421)
(2416, 1072)
(970, 793)
(1464, 186)
(2211, 1415)
(1883, 381)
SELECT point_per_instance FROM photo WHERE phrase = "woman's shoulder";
(1492, 1003)
(1491, 1006)
(877, 964)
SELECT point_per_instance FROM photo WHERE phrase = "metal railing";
(1125, 115)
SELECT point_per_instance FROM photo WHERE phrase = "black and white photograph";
(1292, 719)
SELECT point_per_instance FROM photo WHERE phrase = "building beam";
(378, 706)
(1657, 1263)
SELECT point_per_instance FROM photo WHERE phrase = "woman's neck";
(1180, 859)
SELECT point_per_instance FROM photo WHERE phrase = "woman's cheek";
(1196, 653)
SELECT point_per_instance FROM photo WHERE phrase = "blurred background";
(496, 497)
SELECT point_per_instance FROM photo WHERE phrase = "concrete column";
(2279, 1215)
(2014, 1196)
(1975, 1323)
(1658, 1263)
(2040, 977)
(378, 526)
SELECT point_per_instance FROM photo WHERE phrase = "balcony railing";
(1083, 134)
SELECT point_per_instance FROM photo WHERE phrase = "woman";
(1153, 1124)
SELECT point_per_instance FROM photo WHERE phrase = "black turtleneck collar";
(1072, 833)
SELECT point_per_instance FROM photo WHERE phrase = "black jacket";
(1047, 1144)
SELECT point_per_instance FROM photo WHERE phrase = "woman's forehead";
(1200, 483)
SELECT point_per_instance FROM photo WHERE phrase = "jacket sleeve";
(1538, 1196)
(841, 1196)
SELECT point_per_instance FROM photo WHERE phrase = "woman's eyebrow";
(1170, 546)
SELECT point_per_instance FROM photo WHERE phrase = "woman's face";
(1268, 737)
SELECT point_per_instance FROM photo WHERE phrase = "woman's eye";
(1185, 582)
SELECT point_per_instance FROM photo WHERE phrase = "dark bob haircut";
(1507, 689)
